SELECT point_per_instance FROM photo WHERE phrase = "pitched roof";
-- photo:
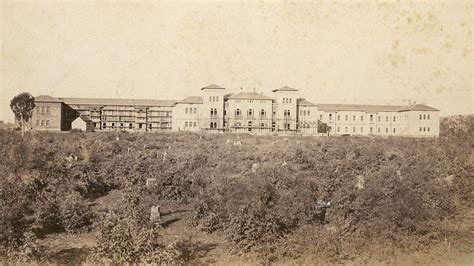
(360, 107)
(250, 96)
(84, 118)
(109, 101)
(46, 98)
(285, 88)
(192, 99)
(214, 87)
(304, 102)
(419, 107)
(375, 108)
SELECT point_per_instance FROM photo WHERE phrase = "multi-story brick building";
(251, 112)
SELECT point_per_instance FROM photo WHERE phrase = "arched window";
(330, 117)
(237, 112)
(262, 113)
(428, 117)
(307, 113)
(424, 117)
(250, 113)
(421, 117)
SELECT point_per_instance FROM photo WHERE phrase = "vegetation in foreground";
(386, 195)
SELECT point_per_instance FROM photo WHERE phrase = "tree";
(22, 106)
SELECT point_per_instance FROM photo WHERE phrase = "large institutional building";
(250, 112)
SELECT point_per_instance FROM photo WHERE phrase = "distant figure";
(320, 209)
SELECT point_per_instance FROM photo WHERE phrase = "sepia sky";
(361, 52)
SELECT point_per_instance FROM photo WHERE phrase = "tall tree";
(22, 106)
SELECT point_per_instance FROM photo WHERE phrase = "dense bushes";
(262, 195)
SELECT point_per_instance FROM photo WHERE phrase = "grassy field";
(77, 197)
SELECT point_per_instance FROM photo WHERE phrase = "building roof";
(192, 99)
(374, 108)
(419, 107)
(213, 87)
(84, 118)
(285, 88)
(46, 98)
(249, 96)
(109, 101)
(304, 102)
(360, 107)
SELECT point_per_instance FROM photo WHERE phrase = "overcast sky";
(332, 52)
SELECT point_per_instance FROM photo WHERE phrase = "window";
(353, 118)
(186, 110)
(361, 118)
(37, 122)
(320, 117)
(393, 130)
(195, 109)
(301, 112)
(47, 109)
(195, 124)
(47, 123)
(237, 112)
(386, 130)
(379, 118)
(308, 112)
(288, 112)
(250, 113)
(361, 129)
(284, 113)
(371, 118)
(149, 126)
(330, 116)
(347, 117)
(338, 117)
(421, 129)
(424, 129)
(130, 125)
(283, 100)
(428, 117)
(386, 119)
(185, 124)
(262, 113)
(121, 125)
(428, 129)
(113, 125)
(346, 129)
(371, 129)
(262, 125)
(104, 125)
(353, 129)
(215, 111)
(421, 116)
(394, 119)
(378, 130)
(290, 100)
(424, 117)
(217, 98)
(210, 98)
(338, 129)
(38, 110)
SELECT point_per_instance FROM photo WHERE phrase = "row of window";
(42, 123)
(304, 112)
(371, 130)
(424, 129)
(424, 117)
(354, 118)
(250, 113)
(130, 125)
(250, 124)
(213, 98)
(42, 110)
(286, 100)
(213, 111)
(190, 124)
(191, 110)
(286, 113)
